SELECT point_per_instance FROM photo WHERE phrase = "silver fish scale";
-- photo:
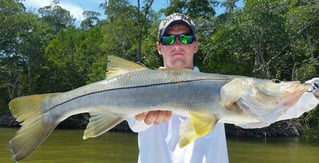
(132, 79)
(164, 91)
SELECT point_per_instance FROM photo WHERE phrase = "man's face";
(178, 55)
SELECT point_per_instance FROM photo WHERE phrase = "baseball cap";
(172, 19)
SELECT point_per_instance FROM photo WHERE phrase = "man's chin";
(179, 64)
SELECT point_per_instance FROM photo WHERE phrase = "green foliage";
(312, 123)
(302, 24)
(45, 52)
(73, 57)
(56, 16)
(192, 8)
(91, 19)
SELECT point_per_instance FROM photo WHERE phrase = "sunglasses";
(183, 39)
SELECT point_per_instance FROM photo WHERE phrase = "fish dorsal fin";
(175, 69)
(197, 126)
(117, 66)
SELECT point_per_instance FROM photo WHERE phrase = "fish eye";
(276, 81)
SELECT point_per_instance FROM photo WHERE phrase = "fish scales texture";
(164, 92)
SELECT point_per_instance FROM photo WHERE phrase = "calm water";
(65, 146)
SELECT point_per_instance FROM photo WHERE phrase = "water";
(272, 150)
(65, 146)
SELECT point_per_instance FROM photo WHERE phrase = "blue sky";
(76, 7)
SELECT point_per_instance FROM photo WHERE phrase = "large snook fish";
(131, 89)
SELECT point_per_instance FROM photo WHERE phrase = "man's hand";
(154, 117)
(315, 86)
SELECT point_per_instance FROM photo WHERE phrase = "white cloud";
(36, 3)
(75, 9)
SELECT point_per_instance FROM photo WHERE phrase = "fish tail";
(34, 129)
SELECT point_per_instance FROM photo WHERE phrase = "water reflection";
(65, 146)
(275, 150)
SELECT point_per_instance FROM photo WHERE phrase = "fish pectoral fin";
(198, 125)
(231, 92)
(101, 122)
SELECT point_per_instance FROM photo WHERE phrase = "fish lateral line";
(123, 88)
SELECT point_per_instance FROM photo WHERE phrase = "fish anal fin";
(202, 123)
(100, 123)
(186, 133)
(117, 66)
(198, 125)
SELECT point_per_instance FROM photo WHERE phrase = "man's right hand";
(154, 117)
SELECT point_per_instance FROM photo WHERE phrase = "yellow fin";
(29, 137)
(186, 133)
(175, 69)
(199, 125)
(100, 122)
(202, 123)
(27, 106)
(117, 66)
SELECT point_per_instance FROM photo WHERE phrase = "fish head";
(276, 92)
(264, 100)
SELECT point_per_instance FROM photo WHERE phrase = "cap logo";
(172, 18)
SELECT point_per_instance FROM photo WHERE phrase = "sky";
(76, 7)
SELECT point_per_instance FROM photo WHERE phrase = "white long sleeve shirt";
(159, 143)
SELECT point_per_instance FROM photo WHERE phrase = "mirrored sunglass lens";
(186, 39)
(168, 40)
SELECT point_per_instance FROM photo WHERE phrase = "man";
(158, 131)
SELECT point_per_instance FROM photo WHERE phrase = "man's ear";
(196, 44)
(159, 48)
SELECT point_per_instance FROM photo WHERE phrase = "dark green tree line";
(45, 52)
